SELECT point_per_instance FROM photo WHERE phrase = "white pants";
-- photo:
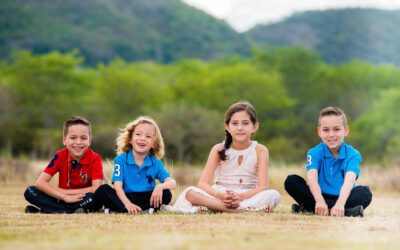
(258, 202)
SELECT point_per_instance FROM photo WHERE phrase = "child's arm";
(320, 205)
(43, 185)
(349, 180)
(208, 172)
(130, 207)
(156, 196)
(95, 184)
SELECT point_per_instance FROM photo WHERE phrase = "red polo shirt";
(74, 174)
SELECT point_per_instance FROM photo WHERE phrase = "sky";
(245, 14)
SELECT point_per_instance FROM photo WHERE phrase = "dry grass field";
(379, 229)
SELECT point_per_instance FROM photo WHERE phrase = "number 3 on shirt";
(117, 170)
(309, 160)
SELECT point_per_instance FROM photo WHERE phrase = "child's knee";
(30, 193)
(167, 196)
(103, 189)
(190, 196)
(368, 195)
(291, 180)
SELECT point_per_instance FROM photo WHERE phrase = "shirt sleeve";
(313, 159)
(97, 169)
(162, 173)
(118, 173)
(353, 164)
(53, 166)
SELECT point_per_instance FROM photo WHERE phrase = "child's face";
(77, 140)
(143, 138)
(332, 132)
(240, 127)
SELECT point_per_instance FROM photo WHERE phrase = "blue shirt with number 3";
(331, 170)
(138, 178)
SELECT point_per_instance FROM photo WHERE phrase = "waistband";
(237, 185)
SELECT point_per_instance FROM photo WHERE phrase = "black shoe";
(357, 211)
(31, 210)
(80, 210)
(295, 209)
(300, 209)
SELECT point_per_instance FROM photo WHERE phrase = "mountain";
(338, 35)
(160, 30)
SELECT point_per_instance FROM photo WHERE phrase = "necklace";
(71, 165)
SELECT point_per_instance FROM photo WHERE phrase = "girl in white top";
(240, 167)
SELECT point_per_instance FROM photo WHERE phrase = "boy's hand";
(321, 208)
(132, 208)
(338, 210)
(156, 197)
(68, 198)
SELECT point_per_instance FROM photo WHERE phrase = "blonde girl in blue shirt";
(140, 147)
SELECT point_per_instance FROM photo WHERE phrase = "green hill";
(170, 30)
(338, 35)
(161, 30)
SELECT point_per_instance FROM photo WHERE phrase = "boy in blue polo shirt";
(332, 170)
(140, 147)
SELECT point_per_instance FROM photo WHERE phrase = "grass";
(379, 229)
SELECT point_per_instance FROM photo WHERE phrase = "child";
(140, 147)
(240, 166)
(332, 169)
(80, 174)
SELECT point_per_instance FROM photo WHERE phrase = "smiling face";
(143, 138)
(241, 127)
(332, 132)
(77, 140)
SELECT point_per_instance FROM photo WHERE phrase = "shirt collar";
(85, 160)
(131, 160)
(342, 151)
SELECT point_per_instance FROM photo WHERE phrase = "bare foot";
(268, 209)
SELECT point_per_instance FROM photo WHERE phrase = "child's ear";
(346, 130)
(65, 144)
(318, 131)
(226, 127)
(256, 127)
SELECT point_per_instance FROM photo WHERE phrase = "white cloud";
(244, 14)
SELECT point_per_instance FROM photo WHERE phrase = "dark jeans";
(49, 204)
(297, 187)
(107, 196)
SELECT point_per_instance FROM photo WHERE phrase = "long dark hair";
(234, 108)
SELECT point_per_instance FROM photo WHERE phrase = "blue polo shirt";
(331, 170)
(138, 178)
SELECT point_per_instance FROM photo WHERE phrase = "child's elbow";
(173, 184)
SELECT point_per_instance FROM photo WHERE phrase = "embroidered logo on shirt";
(150, 179)
(53, 161)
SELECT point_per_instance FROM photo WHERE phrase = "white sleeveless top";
(232, 175)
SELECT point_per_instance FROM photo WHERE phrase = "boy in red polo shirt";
(80, 174)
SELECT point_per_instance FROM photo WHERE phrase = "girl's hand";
(321, 208)
(156, 197)
(231, 199)
(132, 208)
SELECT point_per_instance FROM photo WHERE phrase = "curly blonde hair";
(124, 138)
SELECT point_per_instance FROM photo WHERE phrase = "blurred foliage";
(288, 87)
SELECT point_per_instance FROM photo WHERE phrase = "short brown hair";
(332, 111)
(75, 120)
